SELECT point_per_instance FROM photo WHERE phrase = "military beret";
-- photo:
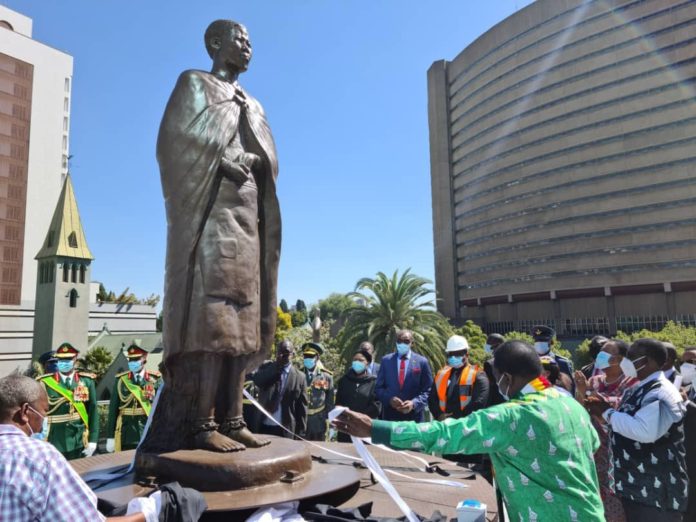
(48, 356)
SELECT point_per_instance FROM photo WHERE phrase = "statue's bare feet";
(214, 441)
(236, 429)
(248, 438)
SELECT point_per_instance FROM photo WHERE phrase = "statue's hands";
(239, 169)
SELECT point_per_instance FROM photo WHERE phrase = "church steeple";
(62, 286)
(65, 236)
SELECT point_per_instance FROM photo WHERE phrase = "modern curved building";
(563, 163)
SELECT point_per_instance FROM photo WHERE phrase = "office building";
(563, 169)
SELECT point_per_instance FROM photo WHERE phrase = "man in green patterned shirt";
(541, 443)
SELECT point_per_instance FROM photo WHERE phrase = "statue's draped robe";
(221, 275)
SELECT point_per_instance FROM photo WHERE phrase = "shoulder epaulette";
(119, 375)
(42, 377)
(156, 373)
(326, 370)
(87, 374)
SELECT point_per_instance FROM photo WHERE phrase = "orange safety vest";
(466, 381)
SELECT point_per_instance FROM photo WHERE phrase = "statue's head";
(227, 43)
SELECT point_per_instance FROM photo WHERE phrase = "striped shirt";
(37, 483)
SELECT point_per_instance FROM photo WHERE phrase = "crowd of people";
(606, 442)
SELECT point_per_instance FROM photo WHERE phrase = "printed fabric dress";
(541, 445)
(612, 393)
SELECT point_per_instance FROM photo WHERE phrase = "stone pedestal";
(283, 460)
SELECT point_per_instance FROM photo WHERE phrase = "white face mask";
(542, 348)
(688, 372)
(504, 395)
(628, 367)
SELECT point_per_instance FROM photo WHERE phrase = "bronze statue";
(218, 169)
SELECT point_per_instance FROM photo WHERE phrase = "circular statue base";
(284, 460)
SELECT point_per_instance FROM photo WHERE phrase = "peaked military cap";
(66, 351)
(135, 352)
(311, 349)
(46, 357)
(543, 334)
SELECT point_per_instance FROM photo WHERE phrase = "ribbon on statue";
(367, 459)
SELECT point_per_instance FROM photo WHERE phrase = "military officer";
(320, 391)
(73, 417)
(131, 401)
(544, 339)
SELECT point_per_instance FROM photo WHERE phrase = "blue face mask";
(455, 361)
(135, 366)
(402, 348)
(542, 348)
(487, 348)
(65, 366)
(310, 362)
(602, 360)
(358, 366)
(44, 427)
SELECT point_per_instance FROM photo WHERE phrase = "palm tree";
(390, 305)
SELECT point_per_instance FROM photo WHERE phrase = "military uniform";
(73, 417)
(320, 393)
(546, 334)
(131, 403)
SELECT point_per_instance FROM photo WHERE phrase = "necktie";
(274, 400)
(402, 372)
(68, 382)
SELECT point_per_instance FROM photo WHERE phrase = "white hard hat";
(456, 343)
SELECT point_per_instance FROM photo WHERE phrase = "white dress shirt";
(660, 409)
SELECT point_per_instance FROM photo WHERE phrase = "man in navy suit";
(404, 381)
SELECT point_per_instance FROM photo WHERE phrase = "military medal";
(149, 392)
(81, 393)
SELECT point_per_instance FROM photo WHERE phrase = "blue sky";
(344, 86)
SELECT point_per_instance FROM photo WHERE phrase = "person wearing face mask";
(356, 389)
(647, 438)
(283, 393)
(688, 372)
(544, 339)
(404, 381)
(609, 383)
(48, 362)
(36, 482)
(73, 416)
(540, 442)
(131, 401)
(594, 348)
(320, 391)
(460, 388)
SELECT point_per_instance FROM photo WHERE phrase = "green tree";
(300, 306)
(298, 317)
(476, 339)
(97, 360)
(284, 306)
(283, 324)
(334, 306)
(385, 305)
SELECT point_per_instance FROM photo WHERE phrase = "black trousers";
(636, 512)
